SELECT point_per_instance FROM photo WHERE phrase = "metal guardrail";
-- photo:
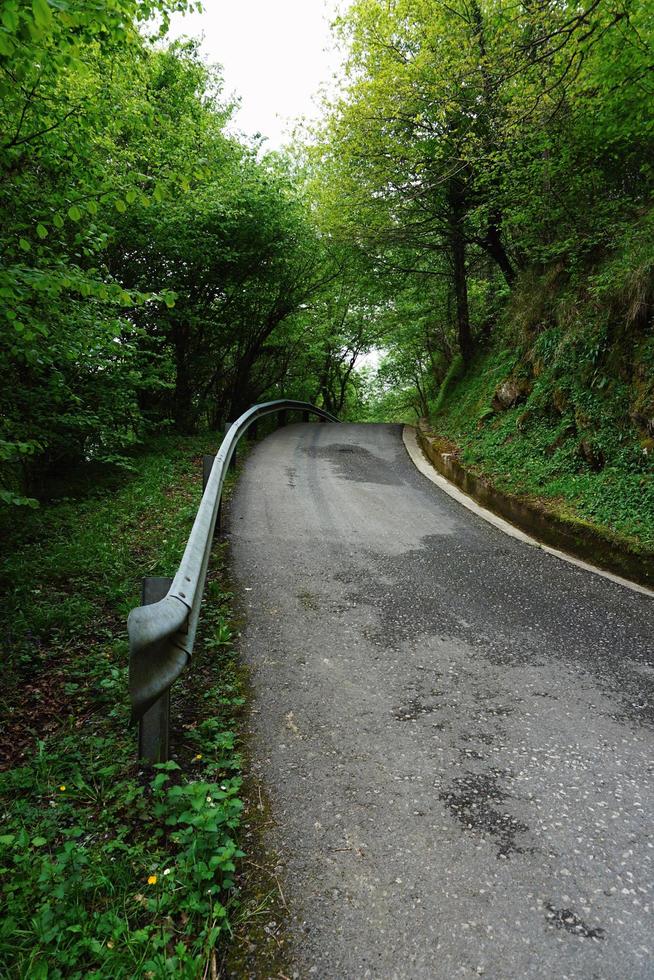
(162, 630)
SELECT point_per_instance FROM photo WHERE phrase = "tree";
(412, 128)
(73, 105)
(241, 258)
(477, 136)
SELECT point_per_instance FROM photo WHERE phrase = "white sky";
(275, 55)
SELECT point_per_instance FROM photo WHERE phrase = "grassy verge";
(533, 451)
(107, 869)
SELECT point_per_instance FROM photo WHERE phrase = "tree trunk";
(456, 218)
(492, 243)
(494, 247)
(240, 398)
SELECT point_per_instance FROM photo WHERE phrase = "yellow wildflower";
(152, 880)
(197, 758)
(62, 789)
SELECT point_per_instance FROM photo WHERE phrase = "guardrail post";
(154, 725)
(305, 416)
(253, 430)
(281, 417)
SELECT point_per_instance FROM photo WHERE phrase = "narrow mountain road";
(455, 729)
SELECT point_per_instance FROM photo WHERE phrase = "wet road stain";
(357, 464)
(517, 619)
(487, 738)
(474, 799)
(309, 600)
(413, 710)
(498, 711)
(570, 921)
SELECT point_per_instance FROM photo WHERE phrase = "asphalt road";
(455, 729)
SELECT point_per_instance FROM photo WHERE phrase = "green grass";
(532, 450)
(108, 869)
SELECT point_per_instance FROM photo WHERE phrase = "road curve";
(455, 729)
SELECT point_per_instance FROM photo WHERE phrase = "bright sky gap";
(275, 58)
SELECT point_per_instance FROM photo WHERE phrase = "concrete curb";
(517, 517)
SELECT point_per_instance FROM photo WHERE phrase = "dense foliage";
(159, 271)
(106, 869)
(155, 268)
(476, 142)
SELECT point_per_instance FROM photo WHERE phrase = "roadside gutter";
(531, 521)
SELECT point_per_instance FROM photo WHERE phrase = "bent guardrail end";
(157, 655)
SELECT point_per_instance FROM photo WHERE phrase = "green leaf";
(58, 221)
(42, 13)
(74, 213)
(130, 197)
(10, 17)
(7, 839)
(39, 841)
(41, 231)
(24, 244)
(120, 205)
(6, 44)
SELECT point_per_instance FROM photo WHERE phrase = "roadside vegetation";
(108, 869)
(562, 438)
(156, 269)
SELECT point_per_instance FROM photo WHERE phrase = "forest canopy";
(475, 142)
(155, 267)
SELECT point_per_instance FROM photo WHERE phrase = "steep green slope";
(559, 404)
